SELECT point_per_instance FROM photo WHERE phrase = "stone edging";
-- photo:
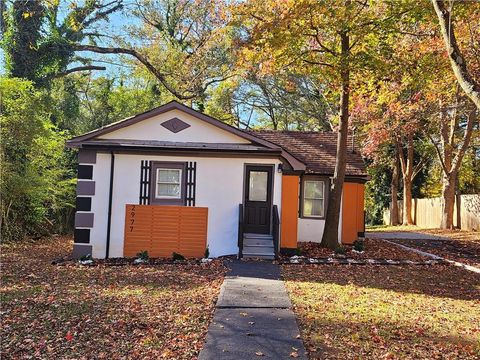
(333, 261)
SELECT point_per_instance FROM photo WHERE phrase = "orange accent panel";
(162, 230)
(360, 207)
(290, 189)
(352, 211)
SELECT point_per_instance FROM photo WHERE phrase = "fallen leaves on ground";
(374, 249)
(386, 312)
(462, 246)
(100, 312)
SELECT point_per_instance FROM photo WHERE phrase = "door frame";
(272, 187)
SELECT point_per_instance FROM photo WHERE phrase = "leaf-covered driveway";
(462, 246)
(114, 312)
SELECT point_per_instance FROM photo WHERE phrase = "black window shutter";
(191, 181)
(145, 170)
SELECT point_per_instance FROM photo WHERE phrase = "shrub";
(359, 245)
(37, 185)
(86, 257)
(340, 250)
(207, 253)
(143, 255)
(177, 256)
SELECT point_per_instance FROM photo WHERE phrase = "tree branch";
(78, 69)
(439, 153)
(457, 60)
(141, 58)
(465, 141)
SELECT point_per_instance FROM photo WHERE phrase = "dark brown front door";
(258, 198)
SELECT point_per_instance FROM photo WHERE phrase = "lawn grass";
(386, 312)
(141, 312)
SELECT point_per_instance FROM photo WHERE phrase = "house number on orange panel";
(132, 217)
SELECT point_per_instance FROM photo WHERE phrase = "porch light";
(280, 168)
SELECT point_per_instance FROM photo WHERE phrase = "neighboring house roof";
(317, 150)
(312, 152)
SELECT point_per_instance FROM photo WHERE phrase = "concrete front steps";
(258, 246)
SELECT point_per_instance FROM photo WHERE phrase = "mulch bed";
(373, 249)
(68, 261)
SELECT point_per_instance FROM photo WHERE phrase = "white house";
(173, 179)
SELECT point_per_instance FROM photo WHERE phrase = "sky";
(2, 63)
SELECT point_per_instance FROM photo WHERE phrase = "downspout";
(110, 196)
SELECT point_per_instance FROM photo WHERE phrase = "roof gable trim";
(77, 141)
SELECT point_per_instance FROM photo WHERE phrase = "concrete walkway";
(253, 318)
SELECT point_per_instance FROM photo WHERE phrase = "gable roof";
(312, 152)
(172, 105)
(79, 141)
(317, 150)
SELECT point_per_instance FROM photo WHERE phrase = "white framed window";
(169, 183)
(313, 198)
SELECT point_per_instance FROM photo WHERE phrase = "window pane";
(258, 186)
(314, 189)
(168, 190)
(169, 175)
(313, 207)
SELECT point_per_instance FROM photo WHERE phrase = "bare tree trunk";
(408, 174)
(451, 162)
(407, 202)
(394, 193)
(448, 197)
(330, 234)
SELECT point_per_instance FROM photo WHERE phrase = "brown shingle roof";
(316, 149)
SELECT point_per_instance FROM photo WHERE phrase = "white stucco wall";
(199, 130)
(219, 186)
(312, 229)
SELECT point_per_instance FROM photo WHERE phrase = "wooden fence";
(162, 230)
(427, 213)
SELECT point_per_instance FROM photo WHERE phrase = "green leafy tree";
(37, 188)
(338, 40)
(184, 45)
(38, 38)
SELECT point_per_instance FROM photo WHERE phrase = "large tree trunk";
(394, 194)
(448, 197)
(330, 234)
